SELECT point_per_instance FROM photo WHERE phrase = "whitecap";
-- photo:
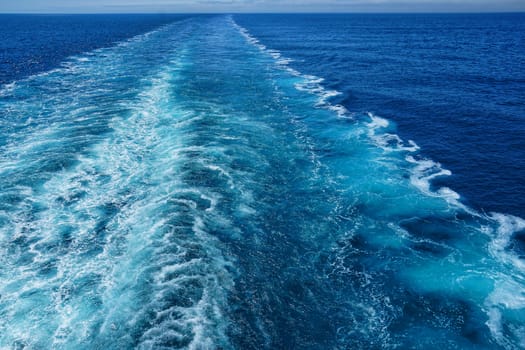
(7, 88)
(507, 225)
(377, 122)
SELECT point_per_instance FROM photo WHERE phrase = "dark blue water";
(34, 43)
(262, 182)
(455, 84)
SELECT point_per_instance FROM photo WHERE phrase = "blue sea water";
(455, 84)
(30, 44)
(239, 182)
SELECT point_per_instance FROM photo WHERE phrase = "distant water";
(30, 44)
(455, 84)
(193, 182)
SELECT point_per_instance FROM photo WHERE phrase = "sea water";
(201, 185)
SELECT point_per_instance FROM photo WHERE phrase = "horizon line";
(267, 12)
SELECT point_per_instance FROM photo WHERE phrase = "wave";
(494, 235)
(166, 205)
(116, 244)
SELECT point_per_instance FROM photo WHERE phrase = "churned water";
(195, 187)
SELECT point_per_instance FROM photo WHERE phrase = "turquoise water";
(187, 188)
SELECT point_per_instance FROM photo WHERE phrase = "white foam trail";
(143, 152)
(309, 83)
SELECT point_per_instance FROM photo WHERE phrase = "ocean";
(313, 181)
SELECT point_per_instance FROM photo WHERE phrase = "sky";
(233, 6)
